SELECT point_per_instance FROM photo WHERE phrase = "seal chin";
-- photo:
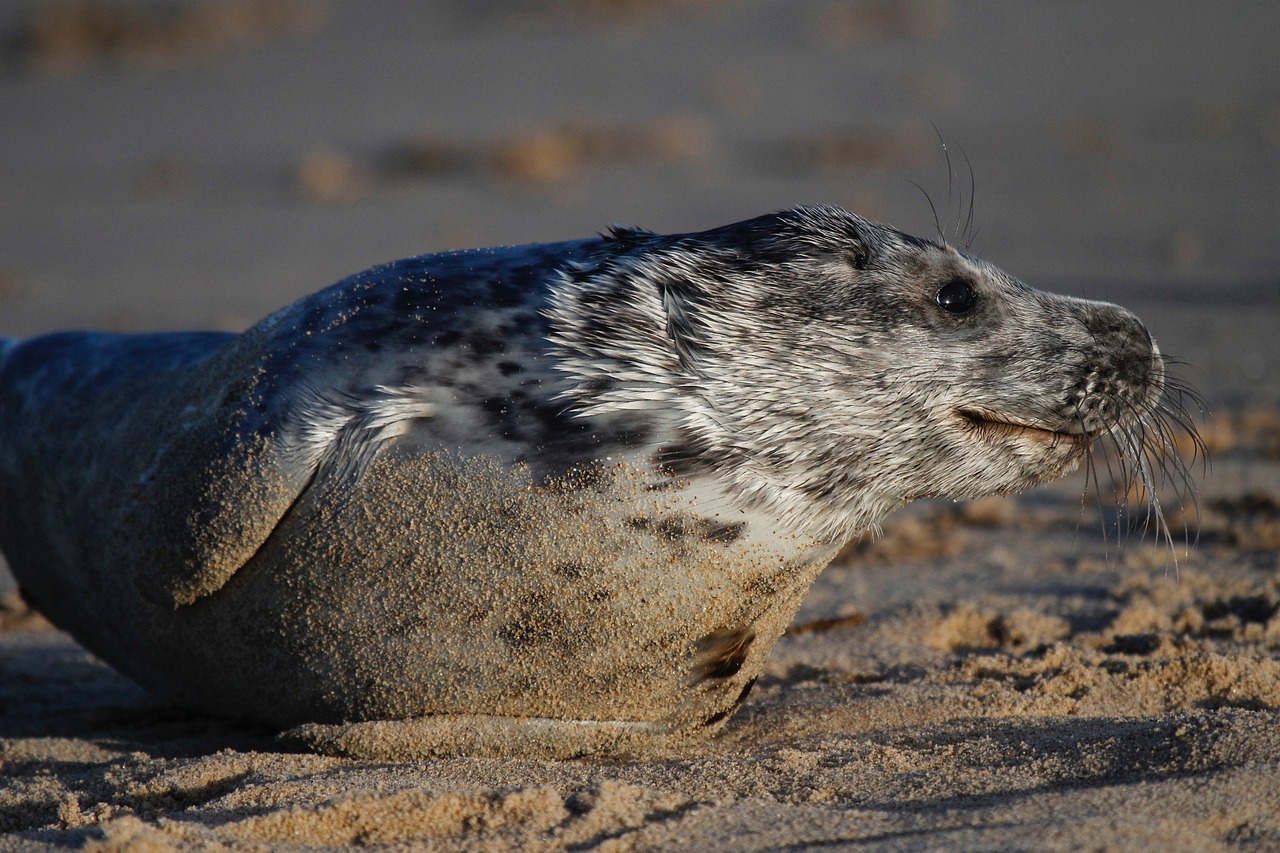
(992, 428)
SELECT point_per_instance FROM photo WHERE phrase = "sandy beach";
(1009, 674)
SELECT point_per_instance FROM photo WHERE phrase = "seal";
(551, 499)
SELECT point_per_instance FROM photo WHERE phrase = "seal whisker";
(968, 235)
(937, 224)
(1176, 469)
(1092, 475)
(951, 187)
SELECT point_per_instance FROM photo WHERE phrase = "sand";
(1009, 674)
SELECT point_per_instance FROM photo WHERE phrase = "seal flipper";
(329, 439)
(87, 421)
(227, 480)
(130, 462)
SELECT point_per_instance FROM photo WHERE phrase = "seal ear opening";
(857, 255)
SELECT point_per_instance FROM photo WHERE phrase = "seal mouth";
(987, 426)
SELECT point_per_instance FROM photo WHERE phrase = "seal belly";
(444, 584)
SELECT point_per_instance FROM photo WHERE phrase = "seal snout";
(1122, 376)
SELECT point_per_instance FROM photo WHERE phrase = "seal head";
(826, 370)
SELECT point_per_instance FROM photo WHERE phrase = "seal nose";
(1125, 373)
(1139, 360)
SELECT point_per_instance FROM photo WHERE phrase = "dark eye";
(957, 296)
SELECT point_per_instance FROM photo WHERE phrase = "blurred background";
(199, 163)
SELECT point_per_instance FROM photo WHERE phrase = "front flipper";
(226, 483)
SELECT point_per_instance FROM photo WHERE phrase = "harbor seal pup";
(549, 500)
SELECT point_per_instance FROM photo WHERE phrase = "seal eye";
(957, 296)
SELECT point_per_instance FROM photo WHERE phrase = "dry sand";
(986, 677)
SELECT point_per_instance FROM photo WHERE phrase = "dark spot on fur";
(524, 322)
(502, 414)
(769, 583)
(683, 458)
(484, 343)
(1256, 609)
(505, 294)
(410, 301)
(1133, 644)
(671, 528)
(630, 430)
(392, 326)
(598, 594)
(597, 386)
(720, 531)
(518, 284)
(675, 527)
(497, 406)
(535, 626)
(547, 416)
(506, 368)
(447, 339)
(557, 432)
(722, 653)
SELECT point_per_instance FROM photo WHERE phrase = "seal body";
(542, 498)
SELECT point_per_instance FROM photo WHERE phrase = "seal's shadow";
(50, 687)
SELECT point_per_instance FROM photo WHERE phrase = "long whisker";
(937, 224)
(1143, 453)
(973, 191)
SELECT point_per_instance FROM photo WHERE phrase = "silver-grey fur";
(585, 483)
